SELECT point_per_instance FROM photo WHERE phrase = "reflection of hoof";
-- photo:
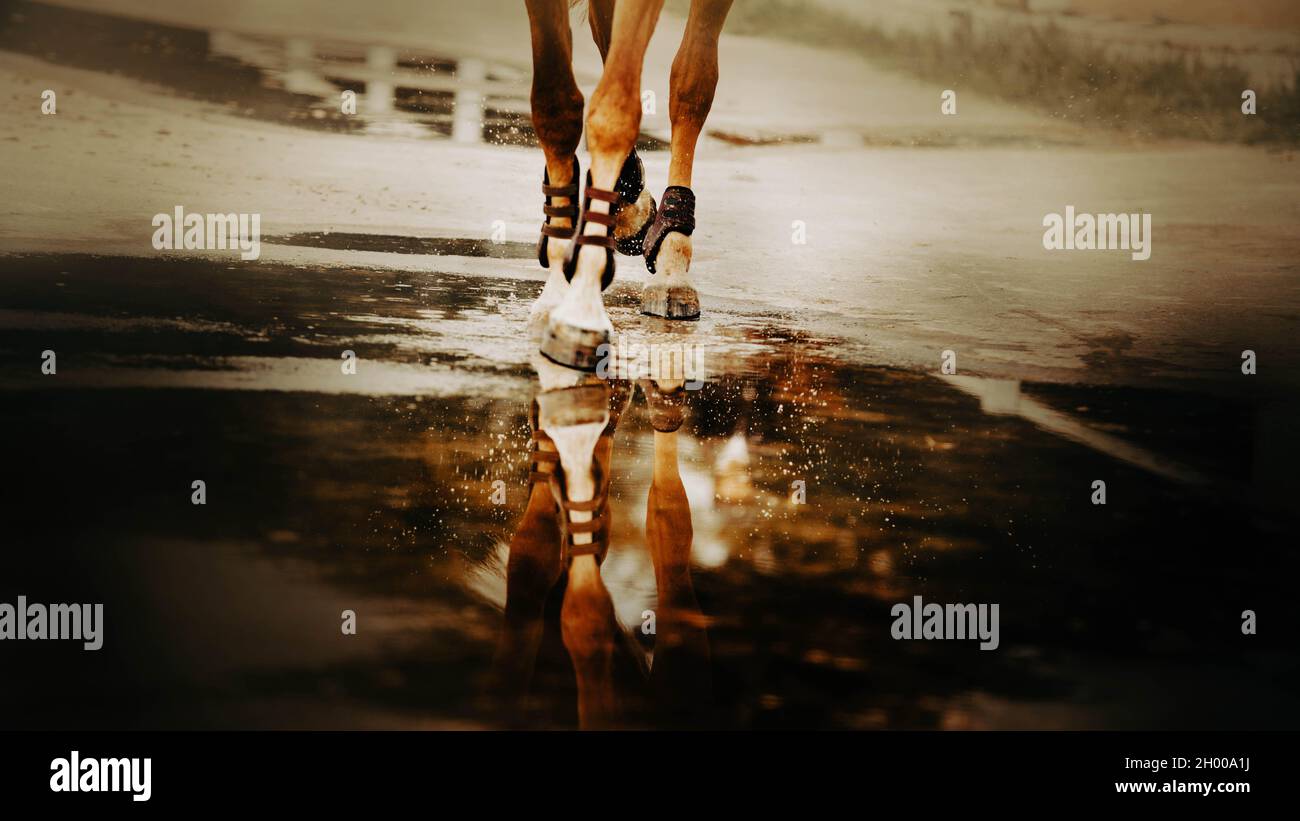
(584, 404)
(670, 301)
(596, 524)
(667, 407)
(573, 346)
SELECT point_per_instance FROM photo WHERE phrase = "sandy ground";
(917, 250)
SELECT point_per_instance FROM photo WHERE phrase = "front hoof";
(670, 301)
(573, 346)
(583, 404)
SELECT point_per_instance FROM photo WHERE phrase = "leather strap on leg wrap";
(581, 237)
(570, 211)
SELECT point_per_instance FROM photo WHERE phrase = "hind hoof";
(632, 223)
(573, 346)
(670, 301)
(667, 407)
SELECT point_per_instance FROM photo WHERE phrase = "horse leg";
(670, 292)
(600, 16)
(636, 210)
(680, 679)
(532, 570)
(580, 325)
(557, 120)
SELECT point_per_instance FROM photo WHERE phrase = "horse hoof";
(539, 316)
(670, 301)
(573, 346)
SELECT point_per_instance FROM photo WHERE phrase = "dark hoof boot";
(676, 215)
(636, 210)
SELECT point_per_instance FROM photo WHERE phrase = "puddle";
(394, 244)
(1003, 397)
(761, 138)
(972, 138)
(377, 496)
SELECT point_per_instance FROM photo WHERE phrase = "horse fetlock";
(552, 293)
(674, 256)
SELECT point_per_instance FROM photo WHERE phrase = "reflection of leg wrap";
(597, 506)
(676, 213)
(582, 404)
(542, 463)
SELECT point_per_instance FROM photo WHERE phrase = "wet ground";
(376, 491)
(375, 495)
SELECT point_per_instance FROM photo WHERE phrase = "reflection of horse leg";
(680, 678)
(577, 419)
(588, 624)
(531, 572)
(590, 633)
